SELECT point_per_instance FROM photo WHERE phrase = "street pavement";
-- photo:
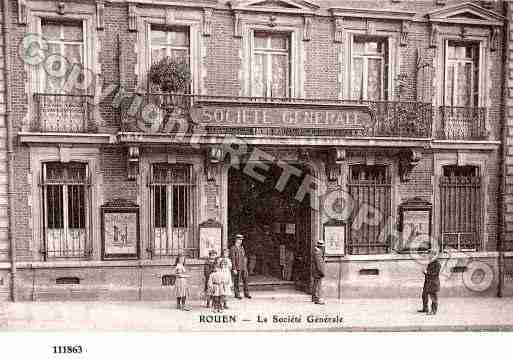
(265, 312)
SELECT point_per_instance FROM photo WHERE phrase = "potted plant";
(171, 76)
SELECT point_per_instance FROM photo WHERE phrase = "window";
(369, 186)
(462, 74)
(65, 199)
(65, 39)
(369, 68)
(460, 201)
(271, 65)
(171, 41)
(172, 196)
(60, 107)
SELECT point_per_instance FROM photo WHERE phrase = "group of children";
(218, 280)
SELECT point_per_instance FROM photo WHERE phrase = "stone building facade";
(376, 126)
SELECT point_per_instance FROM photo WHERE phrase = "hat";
(239, 236)
(212, 251)
(320, 243)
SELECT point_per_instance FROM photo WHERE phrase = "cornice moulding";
(301, 7)
(396, 15)
(480, 15)
(190, 4)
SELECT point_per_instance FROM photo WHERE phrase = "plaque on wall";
(210, 237)
(415, 225)
(334, 238)
(120, 230)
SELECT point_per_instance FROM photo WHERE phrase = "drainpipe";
(10, 153)
(504, 136)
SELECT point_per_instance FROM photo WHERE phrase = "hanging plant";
(170, 75)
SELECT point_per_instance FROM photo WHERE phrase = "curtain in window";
(279, 82)
(375, 78)
(270, 65)
(368, 77)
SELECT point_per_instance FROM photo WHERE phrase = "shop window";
(370, 188)
(462, 74)
(271, 65)
(65, 199)
(460, 202)
(369, 68)
(172, 194)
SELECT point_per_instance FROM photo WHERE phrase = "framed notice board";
(210, 237)
(415, 218)
(120, 230)
(334, 238)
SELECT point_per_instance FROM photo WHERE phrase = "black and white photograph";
(185, 166)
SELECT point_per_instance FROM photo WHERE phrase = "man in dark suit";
(239, 267)
(319, 271)
(431, 284)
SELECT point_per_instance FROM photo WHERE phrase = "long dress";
(181, 287)
(227, 272)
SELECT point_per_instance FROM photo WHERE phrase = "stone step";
(271, 286)
(282, 294)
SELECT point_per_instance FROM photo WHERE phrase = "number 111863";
(67, 349)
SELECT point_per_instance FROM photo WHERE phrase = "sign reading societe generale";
(238, 116)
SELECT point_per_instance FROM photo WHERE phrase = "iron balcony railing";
(399, 119)
(462, 123)
(63, 113)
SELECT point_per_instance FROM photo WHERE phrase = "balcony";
(462, 123)
(280, 117)
(63, 113)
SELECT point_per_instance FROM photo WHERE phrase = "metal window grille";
(460, 201)
(370, 185)
(66, 210)
(172, 191)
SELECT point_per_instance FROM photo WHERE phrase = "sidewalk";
(347, 315)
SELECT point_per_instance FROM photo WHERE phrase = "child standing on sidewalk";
(181, 285)
(215, 287)
(208, 269)
(226, 268)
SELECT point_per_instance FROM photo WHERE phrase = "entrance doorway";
(277, 227)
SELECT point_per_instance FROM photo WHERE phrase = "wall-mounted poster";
(120, 230)
(334, 238)
(210, 237)
(415, 225)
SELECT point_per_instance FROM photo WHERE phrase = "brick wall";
(508, 145)
(4, 220)
(118, 62)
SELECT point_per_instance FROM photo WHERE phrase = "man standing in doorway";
(319, 271)
(239, 267)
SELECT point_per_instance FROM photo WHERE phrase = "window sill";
(69, 138)
(100, 264)
(407, 256)
(465, 145)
